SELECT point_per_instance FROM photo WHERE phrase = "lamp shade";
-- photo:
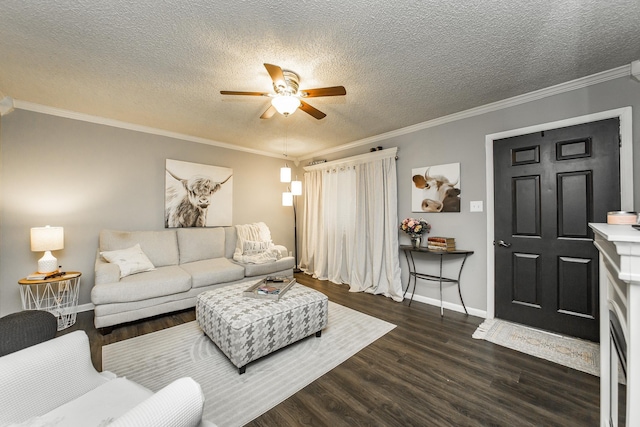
(285, 104)
(287, 198)
(296, 188)
(285, 174)
(47, 238)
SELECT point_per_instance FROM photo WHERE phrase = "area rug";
(567, 351)
(156, 359)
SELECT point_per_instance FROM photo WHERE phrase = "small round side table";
(58, 296)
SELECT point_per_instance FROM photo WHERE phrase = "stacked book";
(441, 243)
(267, 290)
(270, 287)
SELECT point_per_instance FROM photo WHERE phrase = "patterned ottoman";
(246, 329)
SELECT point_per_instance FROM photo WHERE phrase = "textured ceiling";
(162, 63)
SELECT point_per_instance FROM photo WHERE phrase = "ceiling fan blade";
(312, 110)
(276, 74)
(324, 91)
(269, 112)
(233, 92)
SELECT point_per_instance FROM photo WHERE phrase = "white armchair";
(55, 383)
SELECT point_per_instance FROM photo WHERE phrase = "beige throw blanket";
(254, 244)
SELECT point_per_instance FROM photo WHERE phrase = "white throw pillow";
(131, 260)
(251, 247)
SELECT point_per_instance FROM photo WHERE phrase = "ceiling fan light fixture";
(286, 99)
(285, 104)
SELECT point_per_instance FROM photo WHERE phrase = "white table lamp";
(47, 239)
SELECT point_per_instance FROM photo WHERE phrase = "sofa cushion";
(257, 232)
(230, 241)
(162, 281)
(130, 261)
(251, 270)
(196, 244)
(97, 407)
(213, 271)
(250, 247)
(160, 246)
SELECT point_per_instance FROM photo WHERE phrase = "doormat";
(571, 352)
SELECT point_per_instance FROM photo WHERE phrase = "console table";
(408, 253)
(619, 247)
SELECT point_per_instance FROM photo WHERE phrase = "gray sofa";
(26, 328)
(187, 261)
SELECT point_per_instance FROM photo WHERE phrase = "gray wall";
(86, 177)
(464, 141)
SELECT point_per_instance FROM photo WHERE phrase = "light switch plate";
(475, 206)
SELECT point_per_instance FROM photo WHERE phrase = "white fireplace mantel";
(619, 247)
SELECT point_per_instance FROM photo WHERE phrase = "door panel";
(526, 194)
(548, 187)
(526, 279)
(574, 203)
(574, 274)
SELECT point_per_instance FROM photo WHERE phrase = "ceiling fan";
(288, 97)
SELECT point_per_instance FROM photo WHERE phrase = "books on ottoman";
(441, 243)
(270, 288)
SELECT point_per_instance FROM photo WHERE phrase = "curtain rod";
(380, 154)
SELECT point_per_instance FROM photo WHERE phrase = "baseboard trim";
(448, 305)
(85, 307)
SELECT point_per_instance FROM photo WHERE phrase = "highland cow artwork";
(436, 188)
(197, 195)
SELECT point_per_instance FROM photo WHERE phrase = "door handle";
(502, 243)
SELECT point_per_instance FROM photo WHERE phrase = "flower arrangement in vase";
(415, 228)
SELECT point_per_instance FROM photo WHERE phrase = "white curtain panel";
(338, 195)
(350, 224)
(312, 224)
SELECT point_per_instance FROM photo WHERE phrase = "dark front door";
(548, 187)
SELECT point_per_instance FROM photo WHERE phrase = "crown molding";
(635, 70)
(44, 109)
(6, 105)
(623, 71)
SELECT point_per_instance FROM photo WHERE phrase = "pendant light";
(296, 187)
(285, 173)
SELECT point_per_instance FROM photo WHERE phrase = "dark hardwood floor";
(428, 371)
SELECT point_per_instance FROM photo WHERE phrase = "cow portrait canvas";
(197, 195)
(436, 188)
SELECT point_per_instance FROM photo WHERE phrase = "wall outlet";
(475, 206)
